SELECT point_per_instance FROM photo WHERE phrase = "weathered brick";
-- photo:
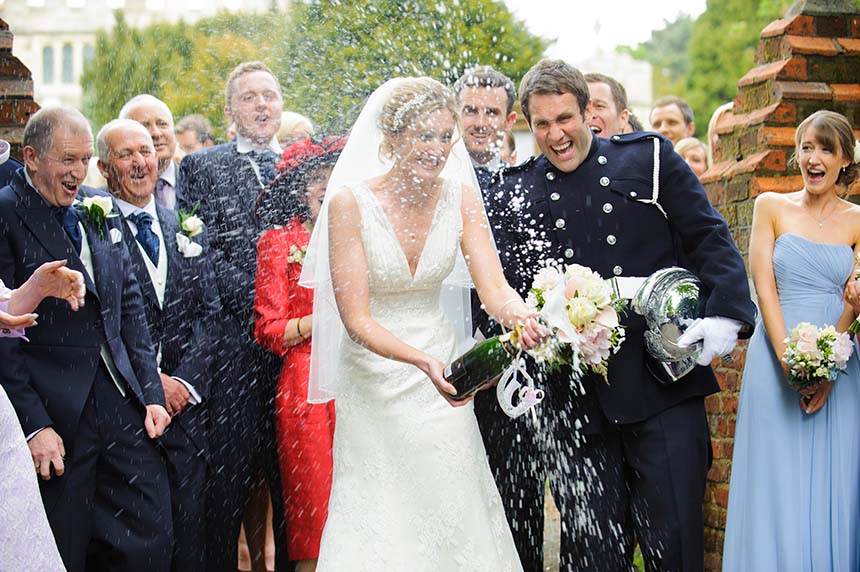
(832, 26)
(855, 26)
(792, 68)
(850, 45)
(784, 184)
(737, 189)
(825, 46)
(846, 91)
(17, 111)
(799, 25)
(777, 136)
(835, 70)
(802, 90)
(6, 40)
(721, 495)
(714, 173)
(10, 88)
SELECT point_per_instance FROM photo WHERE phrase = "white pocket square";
(187, 247)
(115, 235)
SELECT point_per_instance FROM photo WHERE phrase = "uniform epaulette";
(634, 137)
(514, 169)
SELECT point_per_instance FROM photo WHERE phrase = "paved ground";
(551, 534)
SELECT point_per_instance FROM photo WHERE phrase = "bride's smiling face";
(424, 146)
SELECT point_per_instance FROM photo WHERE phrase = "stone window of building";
(89, 53)
(68, 63)
(48, 64)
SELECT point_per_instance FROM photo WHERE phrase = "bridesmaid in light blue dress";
(794, 498)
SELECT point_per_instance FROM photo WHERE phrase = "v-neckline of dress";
(390, 227)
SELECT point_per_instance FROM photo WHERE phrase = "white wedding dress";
(412, 491)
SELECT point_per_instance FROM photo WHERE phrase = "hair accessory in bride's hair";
(400, 114)
(857, 152)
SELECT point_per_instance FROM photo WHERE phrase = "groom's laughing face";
(560, 129)
(256, 106)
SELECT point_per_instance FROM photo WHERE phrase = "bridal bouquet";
(815, 354)
(581, 310)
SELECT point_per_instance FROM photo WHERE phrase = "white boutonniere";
(297, 254)
(188, 247)
(190, 225)
(97, 210)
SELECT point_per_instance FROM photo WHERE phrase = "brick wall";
(16, 93)
(806, 61)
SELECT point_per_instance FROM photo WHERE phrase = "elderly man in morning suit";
(86, 388)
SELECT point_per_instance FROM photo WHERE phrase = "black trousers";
(241, 411)
(644, 480)
(113, 510)
(186, 469)
(515, 459)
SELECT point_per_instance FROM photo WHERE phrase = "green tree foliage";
(182, 64)
(328, 54)
(339, 51)
(702, 60)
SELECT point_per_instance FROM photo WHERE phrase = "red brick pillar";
(16, 93)
(806, 61)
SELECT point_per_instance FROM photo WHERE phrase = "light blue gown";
(794, 498)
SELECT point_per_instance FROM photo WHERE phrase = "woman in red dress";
(283, 326)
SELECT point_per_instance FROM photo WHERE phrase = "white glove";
(718, 334)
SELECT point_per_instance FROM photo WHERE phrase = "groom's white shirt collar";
(245, 145)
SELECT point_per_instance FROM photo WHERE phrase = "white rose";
(580, 311)
(578, 271)
(103, 203)
(546, 279)
(597, 291)
(192, 225)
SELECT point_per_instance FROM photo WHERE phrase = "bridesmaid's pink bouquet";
(816, 354)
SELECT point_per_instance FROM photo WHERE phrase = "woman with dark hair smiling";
(283, 326)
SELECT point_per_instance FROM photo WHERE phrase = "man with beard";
(486, 99)
(181, 304)
(154, 114)
(223, 182)
(609, 114)
(629, 454)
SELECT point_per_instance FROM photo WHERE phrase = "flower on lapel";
(96, 210)
(297, 254)
(188, 247)
(190, 225)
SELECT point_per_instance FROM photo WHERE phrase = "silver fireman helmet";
(669, 302)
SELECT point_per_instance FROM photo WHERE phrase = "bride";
(401, 232)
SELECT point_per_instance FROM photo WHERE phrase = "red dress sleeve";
(272, 300)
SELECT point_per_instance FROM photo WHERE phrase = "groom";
(631, 455)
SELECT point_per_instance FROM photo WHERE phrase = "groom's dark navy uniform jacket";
(652, 449)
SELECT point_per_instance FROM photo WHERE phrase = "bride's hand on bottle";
(434, 369)
(532, 333)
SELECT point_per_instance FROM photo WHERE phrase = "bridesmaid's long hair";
(833, 131)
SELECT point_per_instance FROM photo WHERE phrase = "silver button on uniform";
(610, 240)
(568, 252)
(604, 181)
(607, 208)
(559, 223)
(617, 270)
(634, 194)
(615, 137)
(555, 196)
(601, 159)
(550, 176)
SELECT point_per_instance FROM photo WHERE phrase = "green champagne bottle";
(479, 366)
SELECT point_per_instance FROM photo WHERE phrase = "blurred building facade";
(55, 38)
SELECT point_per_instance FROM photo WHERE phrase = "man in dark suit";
(86, 387)
(486, 100)
(225, 182)
(182, 308)
(154, 114)
(630, 455)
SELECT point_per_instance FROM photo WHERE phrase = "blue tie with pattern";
(69, 218)
(145, 236)
(265, 161)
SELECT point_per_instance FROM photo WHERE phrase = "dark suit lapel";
(169, 228)
(138, 264)
(37, 216)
